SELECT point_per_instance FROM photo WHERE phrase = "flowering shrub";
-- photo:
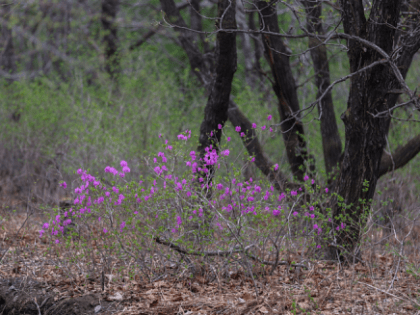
(118, 216)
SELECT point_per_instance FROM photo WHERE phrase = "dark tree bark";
(400, 157)
(200, 38)
(186, 38)
(144, 39)
(108, 16)
(216, 110)
(204, 75)
(331, 141)
(410, 44)
(365, 135)
(284, 86)
(196, 22)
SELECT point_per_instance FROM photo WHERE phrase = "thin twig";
(224, 253)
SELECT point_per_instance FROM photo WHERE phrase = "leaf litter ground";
(34, 283)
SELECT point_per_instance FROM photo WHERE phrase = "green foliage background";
(94, 122)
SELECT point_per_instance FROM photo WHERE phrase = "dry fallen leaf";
(263, 310)
(116, 297)
(247, 296)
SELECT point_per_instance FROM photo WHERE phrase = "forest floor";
(32, 282)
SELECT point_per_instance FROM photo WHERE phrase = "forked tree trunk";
(365, 135)
(216, 110)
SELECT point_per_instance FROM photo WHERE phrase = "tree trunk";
(276, 53)
(331, 142)
(236, 117)
(216, 110)
(365, 135)
(186, 38)
(108, 16)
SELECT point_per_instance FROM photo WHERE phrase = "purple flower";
(105, 231)
(306, 178)
(228, 139)
(178, 221)
(126, 169)
(315, 226)
(276, 167)
(123, 163)
(79, 171)
(41, 232)
(311, 208)
(238, 128)
(242, 134)
(269, 117)
(107, 169)
(169, 147)
(263, 127)
(326, 190)
(122, 225)
(254, 125)
(318, 246)
(64, 185)
(293, 193)
(295, 213)
(225, 152)
(219, 126)
(158, 170)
